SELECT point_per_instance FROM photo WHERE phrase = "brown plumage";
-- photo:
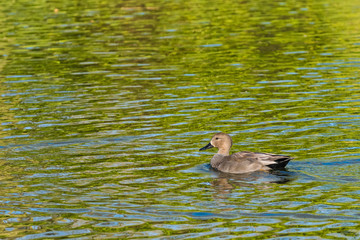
(242, 162)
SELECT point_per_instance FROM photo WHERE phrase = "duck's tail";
(280, 162)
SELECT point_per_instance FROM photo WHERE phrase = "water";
(104, 105)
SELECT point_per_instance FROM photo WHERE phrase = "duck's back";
(245, 161)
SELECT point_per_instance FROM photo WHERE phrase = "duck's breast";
(216, 160)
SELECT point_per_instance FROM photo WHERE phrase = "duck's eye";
(216, 138)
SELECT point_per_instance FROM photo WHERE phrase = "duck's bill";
(206, 147)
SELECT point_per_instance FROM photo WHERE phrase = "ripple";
(55, 234)
(212, 45)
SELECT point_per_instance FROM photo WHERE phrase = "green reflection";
(105, 103)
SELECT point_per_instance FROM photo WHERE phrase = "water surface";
(104, 106)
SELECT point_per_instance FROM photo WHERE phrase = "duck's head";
(222, 141)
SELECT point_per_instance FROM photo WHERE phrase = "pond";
(105, 104)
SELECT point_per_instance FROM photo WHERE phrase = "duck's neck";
(224, 151)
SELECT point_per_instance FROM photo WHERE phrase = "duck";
(242, 162)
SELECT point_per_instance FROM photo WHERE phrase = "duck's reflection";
(225, 183)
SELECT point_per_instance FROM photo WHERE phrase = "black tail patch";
(280, 163)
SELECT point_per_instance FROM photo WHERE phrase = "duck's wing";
(241, 162)
(266, 159)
